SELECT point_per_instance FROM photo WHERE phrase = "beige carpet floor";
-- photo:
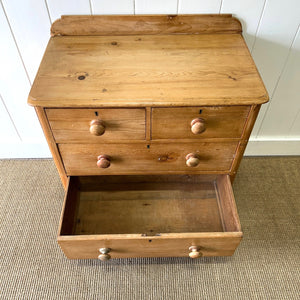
(265, 266)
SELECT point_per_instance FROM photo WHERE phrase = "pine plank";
(134, 71)
(81, 159)
(145, 24)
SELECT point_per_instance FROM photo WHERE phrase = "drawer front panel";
(81, 159)
(73, 125)
(219, 122)
(149, 216)
(80, 248)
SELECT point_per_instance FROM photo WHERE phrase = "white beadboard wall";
(271, 30)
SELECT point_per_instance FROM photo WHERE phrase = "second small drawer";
(199, 122)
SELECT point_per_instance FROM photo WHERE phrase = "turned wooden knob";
(194, 252)
(192, 160)
(103, 161)
(104, 254)
(198, 126)
(97, 127)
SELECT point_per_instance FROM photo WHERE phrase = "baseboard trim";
(273, 147)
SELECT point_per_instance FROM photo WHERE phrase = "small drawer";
(149, 216)
(109, 159)
(199, 122)
(96, 125)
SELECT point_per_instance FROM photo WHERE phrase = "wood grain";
(145, 24)
(146, 212)
(146, 78)
(70, 206)
(166, 245)
(52, 145)
(135, 71)
(128, 182)
(73, 125)
(244, 141)
(127, 220)
(227, 204)
(148, 123)
(220, 122)
(81, 159)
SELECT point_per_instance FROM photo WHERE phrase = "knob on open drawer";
(103, 161)
(198, 126)
(104, 254)
(195, 252)
(97, 127)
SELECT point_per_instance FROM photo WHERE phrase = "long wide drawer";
(74, 125)
(199, 122)
(81, 159)
(149, 216)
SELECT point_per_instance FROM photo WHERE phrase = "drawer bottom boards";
(149, 216)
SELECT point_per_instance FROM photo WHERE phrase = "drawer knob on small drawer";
(198, 126)
(104, 254)
(97, 127)
(194, 252)
(192, 160)
(103, 161)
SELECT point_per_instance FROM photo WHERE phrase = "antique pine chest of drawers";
(147, 118)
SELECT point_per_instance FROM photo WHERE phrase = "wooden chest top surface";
(147, 70)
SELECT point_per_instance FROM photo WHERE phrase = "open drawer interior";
(140, 207)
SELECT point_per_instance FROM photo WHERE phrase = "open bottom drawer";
(149, 216)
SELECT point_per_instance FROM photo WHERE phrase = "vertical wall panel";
(249, 13)
(275, 34)
(199, 6)
(8, 132)
(156, 6)
(30, 23)
(285, 103)
(274, 37)
(295, 129)
(24, 38)
(68, 7)
(14, 85)
(113, 7)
